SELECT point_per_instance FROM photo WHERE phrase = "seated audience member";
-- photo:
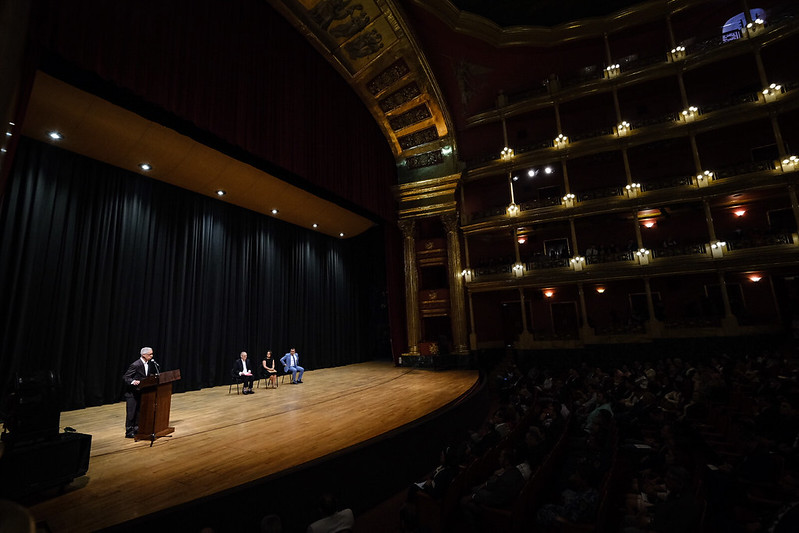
(437, 484)
(578, 503)
(504, 484)
(676, 514)
(333, 520)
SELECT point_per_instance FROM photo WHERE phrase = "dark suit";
(132, 394)
(239, 367)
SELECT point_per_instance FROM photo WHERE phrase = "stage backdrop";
(96, 262)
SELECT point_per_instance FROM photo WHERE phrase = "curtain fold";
(96, 262)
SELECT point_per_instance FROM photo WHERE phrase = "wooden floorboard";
(220, 439)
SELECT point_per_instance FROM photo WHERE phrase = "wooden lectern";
(154, 405)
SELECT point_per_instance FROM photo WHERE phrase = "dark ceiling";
(541, 12)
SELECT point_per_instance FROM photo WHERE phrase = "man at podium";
(137, 371)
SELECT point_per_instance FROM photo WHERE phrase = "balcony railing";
(673, 251)
(757, 241)
(596, 194)
(667, 183)
(743, 168)
(609, 257)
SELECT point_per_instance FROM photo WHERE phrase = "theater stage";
(223, 441)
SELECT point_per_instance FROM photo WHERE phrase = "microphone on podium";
(157, 369)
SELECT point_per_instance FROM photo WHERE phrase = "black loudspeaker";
(32, 411)
(32, 468)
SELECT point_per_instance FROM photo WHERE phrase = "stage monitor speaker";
(32, 468)
(32, 411)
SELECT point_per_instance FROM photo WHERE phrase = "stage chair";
(235, 380)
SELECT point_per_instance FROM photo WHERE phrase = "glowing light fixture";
(506, 154)
(790, 163)
(54, 135)
(145, 166)
(518, 270)
(611, 71)
(703, 179)
(220, 192)
(275, 211)
(739, 212)
(600, 290)
(772, 92)
(623, 128)
(549, 293)
(676, 54)
(690, 114)
(568, 200)
(649, 224)
(755, 278)
(561, 141)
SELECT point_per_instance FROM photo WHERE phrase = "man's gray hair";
(145, 350)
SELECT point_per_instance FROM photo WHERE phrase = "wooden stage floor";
(223, 440)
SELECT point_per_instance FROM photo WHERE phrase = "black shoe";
(299, 381)
(130, 436)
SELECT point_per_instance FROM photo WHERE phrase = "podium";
(154, 405)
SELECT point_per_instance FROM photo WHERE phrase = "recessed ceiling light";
(3, 150)
(11, 124)
(145, 166)
(341, 234)
(275, 211)
(8, 134)
(52, 134)
(315, 225)
(220, 192)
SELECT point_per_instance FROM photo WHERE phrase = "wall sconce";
(561, 141)
(468, 275)
(754, 278)
(703, 179)
(612, 71)
(513, 210)
(771, 93)
(577, 263)
(789, 164)
(600, 290)
(755, 27)
(632, 190)
(521, 239)
(506, 154)
(717, 249)
(739, 212)
(643, 256)
(677, 54)
(649, 224)
(623, 128)
(549, 293)
(518, 270)
(569, 199)
(690, 114)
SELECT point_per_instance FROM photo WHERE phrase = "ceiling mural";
(370, 46)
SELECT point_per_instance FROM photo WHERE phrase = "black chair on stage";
(235, 380)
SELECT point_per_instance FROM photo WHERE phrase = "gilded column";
(408, 228)
(456, 299)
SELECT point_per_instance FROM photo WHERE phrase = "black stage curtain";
(96, 262)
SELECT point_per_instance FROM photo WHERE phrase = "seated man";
(244, 372)
(291, 363)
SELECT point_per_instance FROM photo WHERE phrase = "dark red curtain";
(238, 70)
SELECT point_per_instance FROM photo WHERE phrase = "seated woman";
(269, 370)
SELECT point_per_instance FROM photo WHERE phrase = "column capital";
(407, 226)
(451, 221)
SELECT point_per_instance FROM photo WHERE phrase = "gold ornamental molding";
(370, 44)
(427, 197)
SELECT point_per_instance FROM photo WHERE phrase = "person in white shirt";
(332, 520)
(244, 371)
